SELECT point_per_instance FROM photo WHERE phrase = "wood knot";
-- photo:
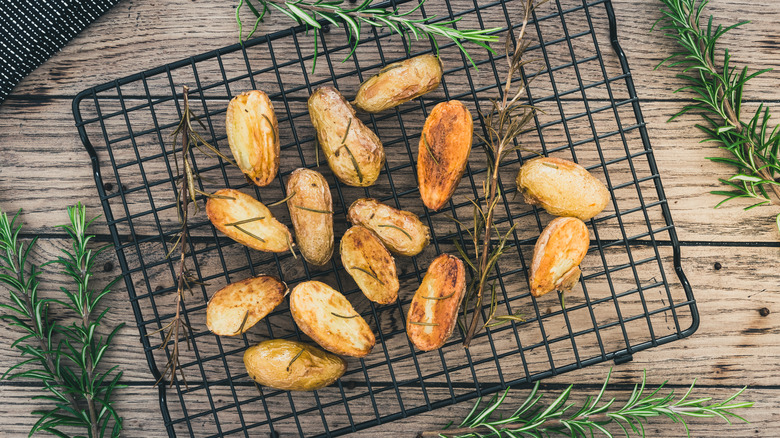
(717, 266)
(763, 311)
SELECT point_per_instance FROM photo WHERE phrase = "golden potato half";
(253, 136)
(327, 317)
(401, 231)
(237, 307)
(443, 152)
(247, 221)
(558, 254)
(399, 83)
(562, 187)
(311, 212)
(434, 309)
(292, 366)
(370, 264)
(354, 152)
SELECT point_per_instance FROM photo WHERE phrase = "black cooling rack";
(627, 300)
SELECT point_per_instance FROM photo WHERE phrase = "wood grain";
(45, 168)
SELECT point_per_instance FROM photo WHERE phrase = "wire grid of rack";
(627, 300)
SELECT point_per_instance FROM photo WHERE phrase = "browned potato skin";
(399, 83)
(557, 256)
(253, 299)
(446, 276)
(331, 114)
(562, 187)
(252, 139)
(448, 133)
(224, 211)
(313, 305)
(375, 216)
(270, 363)
(361, 248)
(313, 230)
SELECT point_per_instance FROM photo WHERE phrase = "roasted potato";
(354, 152)
(434, 309)
(292, 366)
(253, 136)
(562, 187)
(311, 211)
(327, 317)
(557, 256)
(370, 264)
(235, 308)
(443, 152)
(398, 83)
(247, 221)
(401, 231)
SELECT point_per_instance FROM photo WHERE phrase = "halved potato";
(562, 188)
(327, 317)
(434, 309)
(311, 212)
(354, 152)
(398, 83)
(292, 366)
(253, 136)
(370, 264)
(401, 231)
(557, 256)
(445, 145)
(247, 221)
(237, 307)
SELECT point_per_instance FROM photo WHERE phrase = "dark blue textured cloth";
(32, 30)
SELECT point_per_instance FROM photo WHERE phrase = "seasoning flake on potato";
(311, 212)
(443, 152)
(292, 365)
(247, 221)
(354, 153)
(398, 83)
(562, 188)
(253, 136)
(557, 256)
(401, 231)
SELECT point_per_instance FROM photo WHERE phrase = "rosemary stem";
(731, 115)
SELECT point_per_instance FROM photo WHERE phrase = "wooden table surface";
(729, 255)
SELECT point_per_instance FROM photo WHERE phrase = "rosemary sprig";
(424, 324)
(507, 119)
(65, 358)
(353, 19)
(717, 89)
(533, 418)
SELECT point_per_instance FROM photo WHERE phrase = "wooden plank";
(110, 48)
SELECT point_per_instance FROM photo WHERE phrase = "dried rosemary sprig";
(717, 89)
(507, 119)
(353, 19)
(66, 357)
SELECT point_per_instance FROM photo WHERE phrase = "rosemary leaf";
(295, 358)
(397, 228)
(428, 148)
(354, 163)
(248, 233)
(313, 210)
(245, 221)
(369, 273)
(243, 323)
(554, 166)
(287, 198)
(441, 298)
(346, 132)
(344, 317)
(425, 324)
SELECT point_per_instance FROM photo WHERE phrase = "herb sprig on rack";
(507, 119)
(64, 355)
(562, 418)
(717, 87)
(353, 19)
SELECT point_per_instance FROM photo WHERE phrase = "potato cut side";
(443, 152)
(247, 221)
(237, 307)
(327, 317)
(253, 136)
(401, 231)
(434, 310)
(370, 264)
(292, 366)
(311, 212)
(557, 255)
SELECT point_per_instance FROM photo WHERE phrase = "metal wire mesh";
(625, 301)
